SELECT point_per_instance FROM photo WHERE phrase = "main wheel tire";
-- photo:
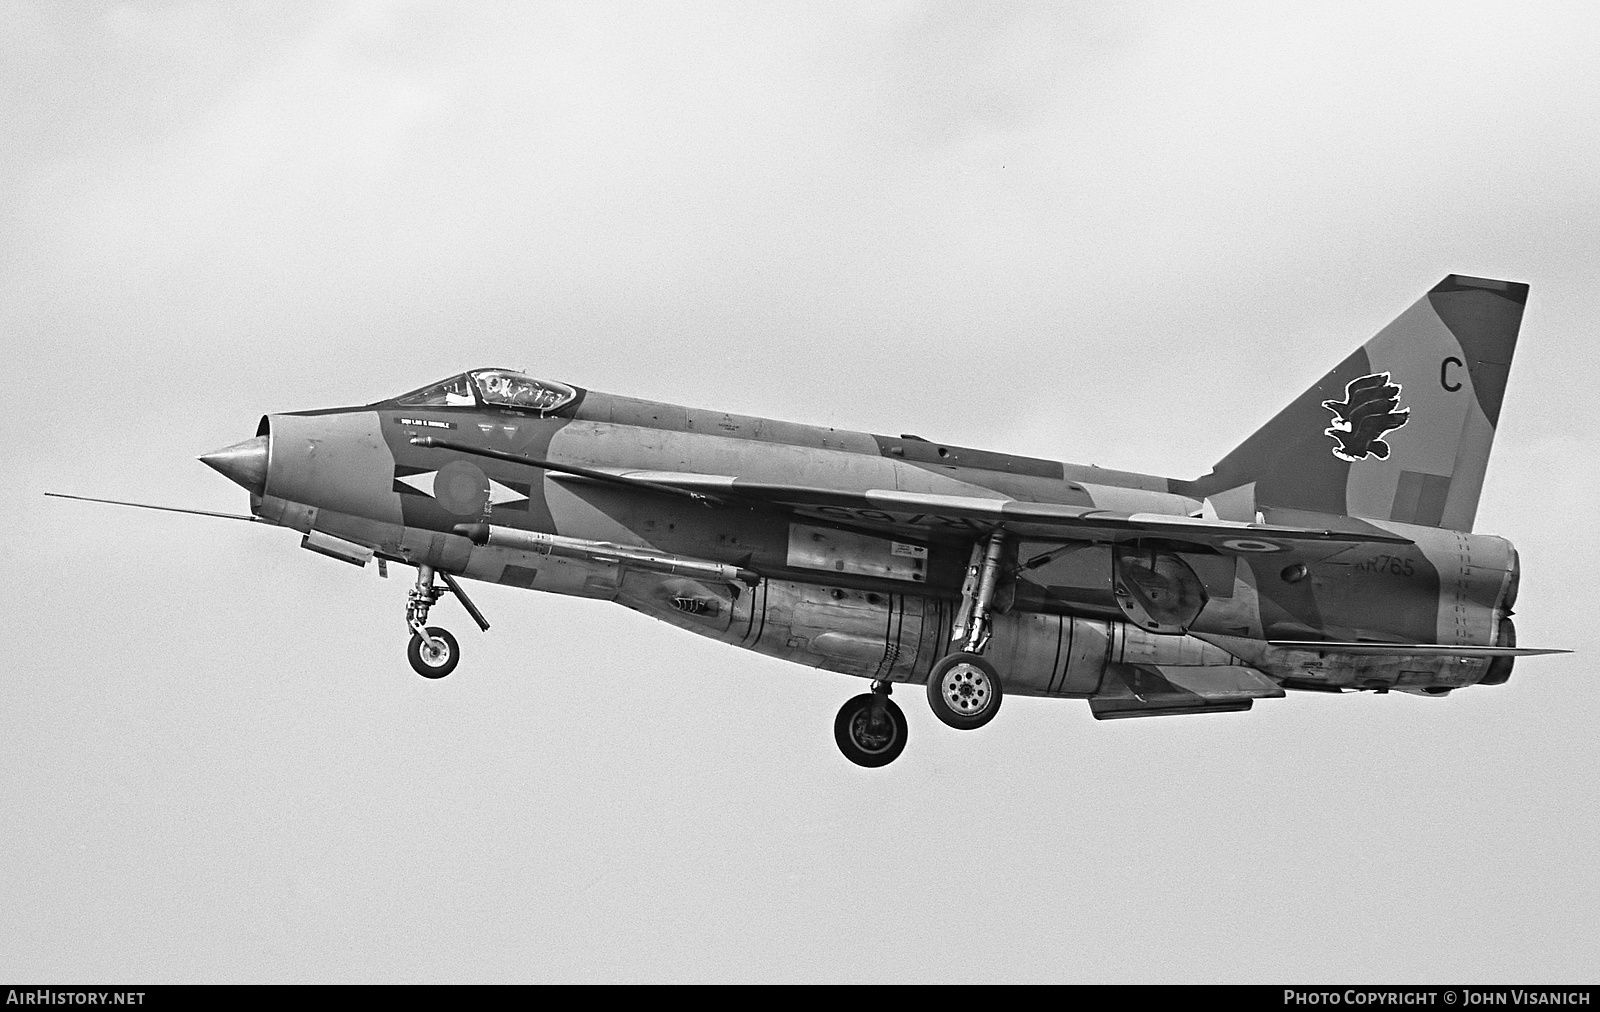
(865, 741)
(431, 662)
(964, 691)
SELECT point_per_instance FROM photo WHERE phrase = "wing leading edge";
(910, 512)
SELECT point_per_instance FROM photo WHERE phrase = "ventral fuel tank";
(899, 637)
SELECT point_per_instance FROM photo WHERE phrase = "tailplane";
(1400, 430)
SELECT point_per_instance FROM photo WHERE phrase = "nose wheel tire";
(869, 738)
(964, 691)
(437, 659)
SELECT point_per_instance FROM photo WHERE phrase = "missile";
(605, 551)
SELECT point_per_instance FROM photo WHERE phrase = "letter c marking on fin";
(1444, 374)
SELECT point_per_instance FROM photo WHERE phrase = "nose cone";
(243, 463)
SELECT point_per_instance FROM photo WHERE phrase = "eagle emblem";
(1371, 407)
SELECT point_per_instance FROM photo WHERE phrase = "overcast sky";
(1121, 234)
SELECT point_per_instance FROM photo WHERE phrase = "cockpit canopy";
(500, 388)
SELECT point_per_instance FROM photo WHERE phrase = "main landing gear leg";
(963, 687)
(433, 652)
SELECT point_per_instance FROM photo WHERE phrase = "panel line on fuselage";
(890, 648)
(1055, 665)
(762, 631)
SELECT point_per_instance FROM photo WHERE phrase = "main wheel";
(866, 740)
(964, 691)
(434, 661)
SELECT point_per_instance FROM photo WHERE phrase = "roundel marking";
(461, 488)
(1251, 545)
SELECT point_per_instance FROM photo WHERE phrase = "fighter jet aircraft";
(1332, 551)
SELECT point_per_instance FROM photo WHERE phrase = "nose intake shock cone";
(244, 464)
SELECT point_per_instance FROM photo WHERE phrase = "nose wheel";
(433, 652)
(435, 656)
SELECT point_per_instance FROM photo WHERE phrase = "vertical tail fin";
(1401, 429)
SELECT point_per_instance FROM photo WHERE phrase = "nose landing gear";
(433, 652)
(435, 656)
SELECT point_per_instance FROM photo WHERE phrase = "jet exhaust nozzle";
(244, 464)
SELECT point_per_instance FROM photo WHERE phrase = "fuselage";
(866, 591)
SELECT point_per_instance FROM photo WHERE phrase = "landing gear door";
(1155, 589)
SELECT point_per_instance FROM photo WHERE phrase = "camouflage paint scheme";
(1144, 595)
